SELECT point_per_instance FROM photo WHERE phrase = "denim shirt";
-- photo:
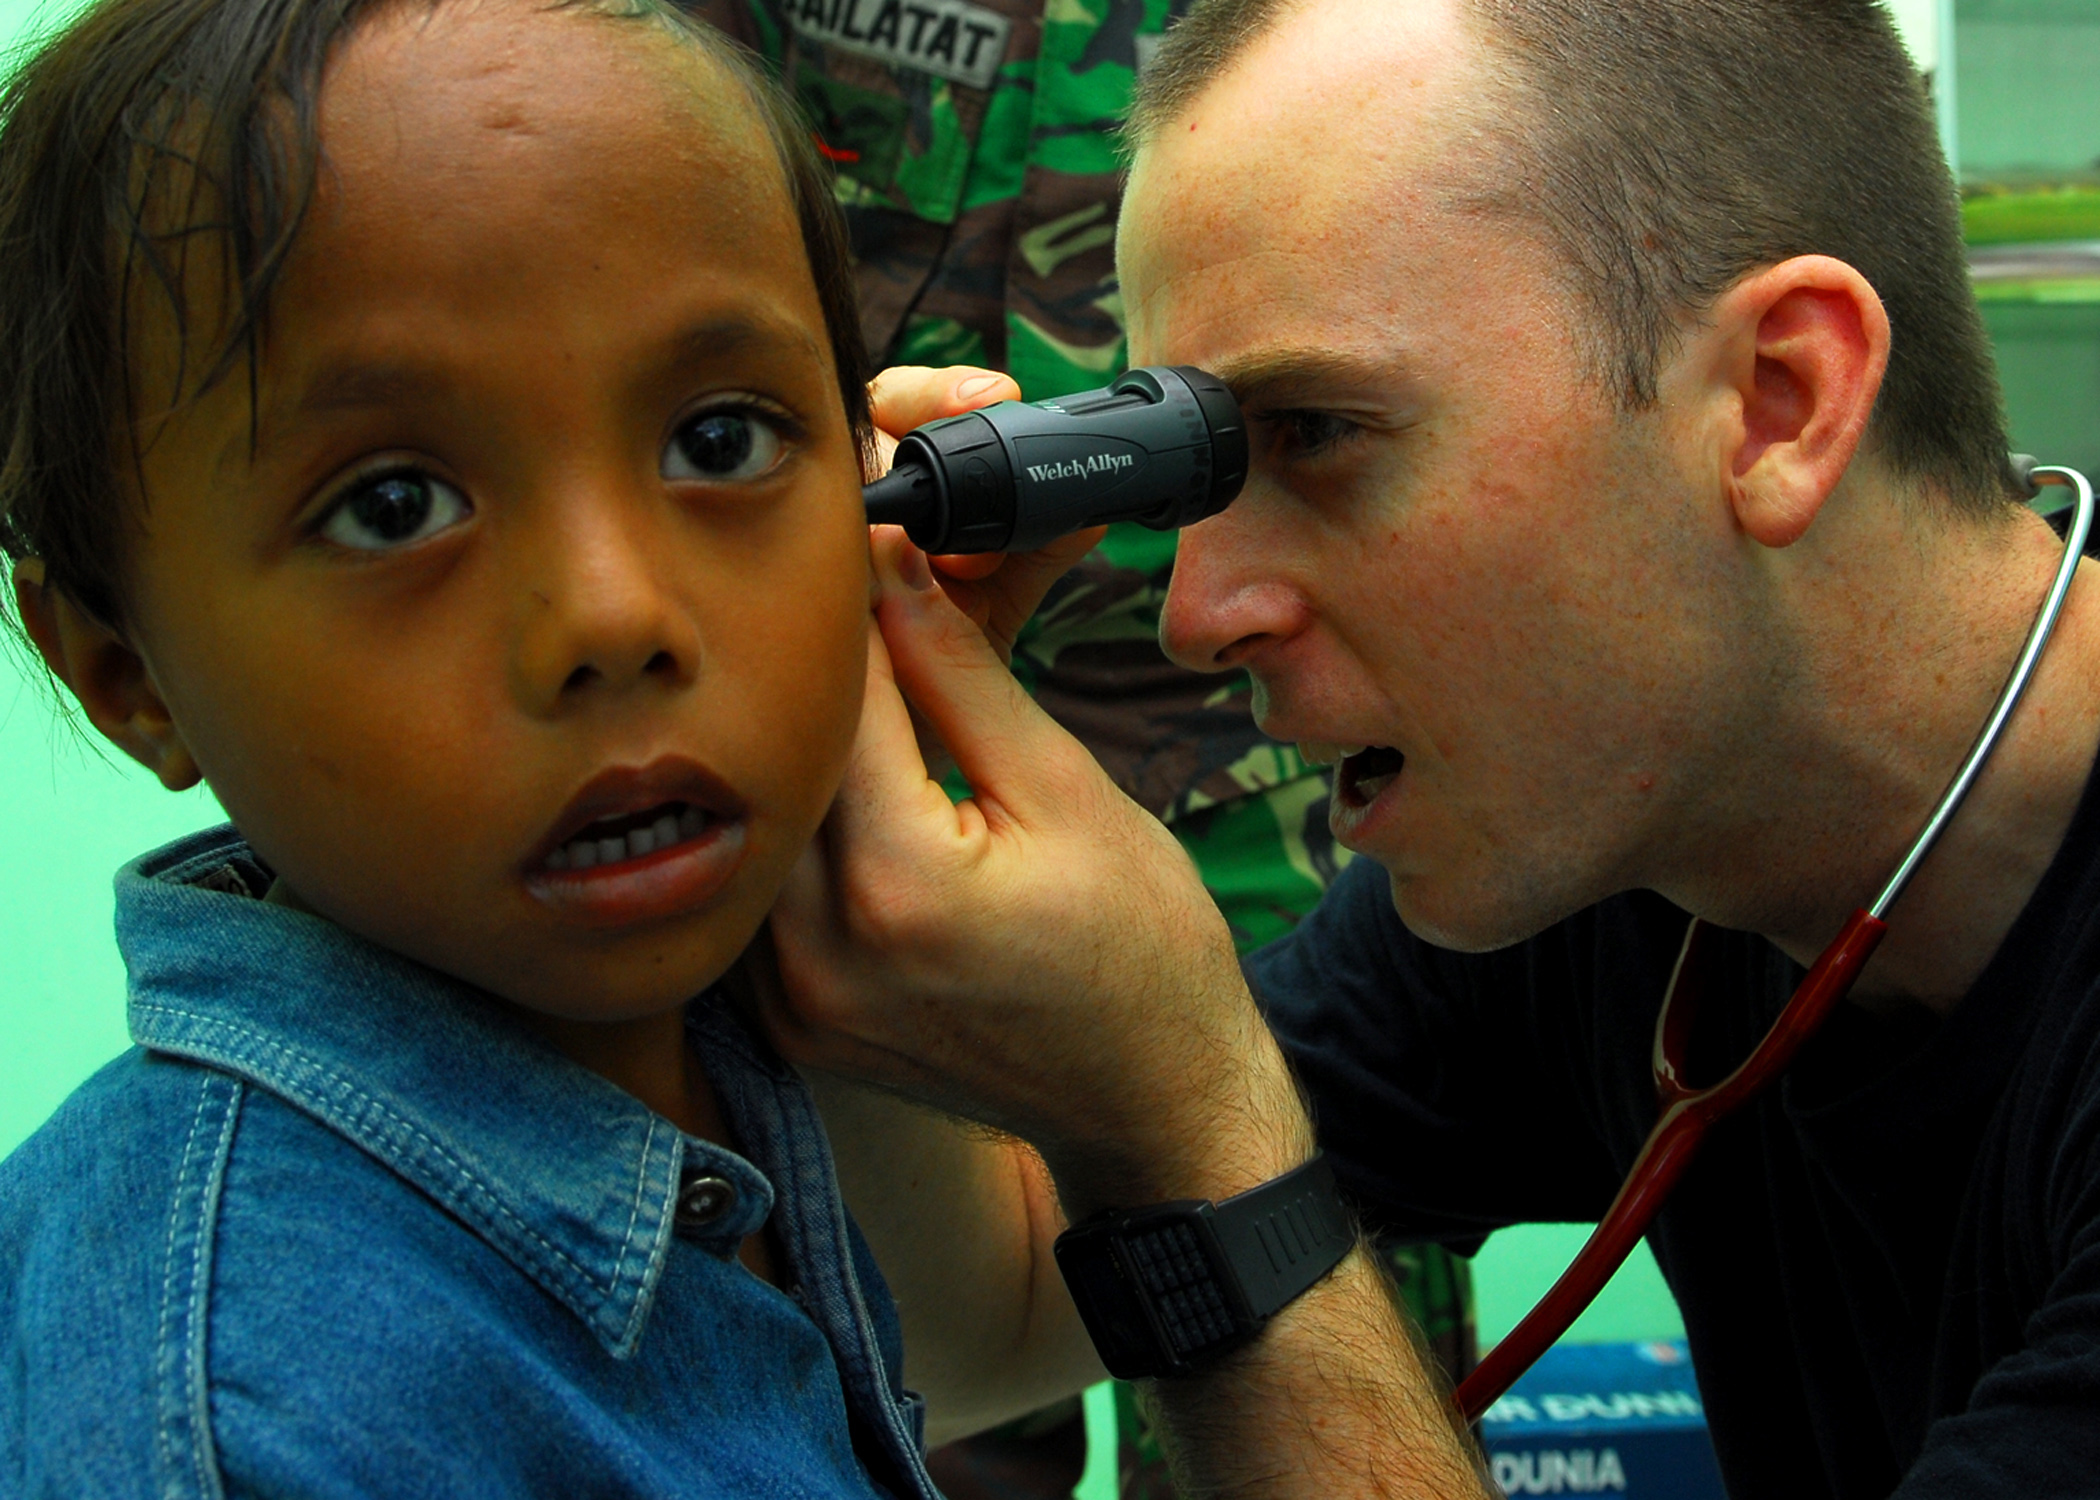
(339, 1226)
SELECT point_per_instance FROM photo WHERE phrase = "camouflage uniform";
(976, 160)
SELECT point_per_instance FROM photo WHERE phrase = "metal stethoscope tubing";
(1688, 1113)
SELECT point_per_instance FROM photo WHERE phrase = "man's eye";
(1307, 434)
(718, 447)
(394, 510)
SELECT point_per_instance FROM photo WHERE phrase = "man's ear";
(1802, 347)
(111, 680)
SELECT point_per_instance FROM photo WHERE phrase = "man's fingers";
(908, 396)
(888, 779)
(1004, 745)
(968, 566)
(1009, 596)
(999, 592)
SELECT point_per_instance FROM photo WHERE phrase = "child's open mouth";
(637, 845)
(612, 841)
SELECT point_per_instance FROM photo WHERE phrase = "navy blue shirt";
(339, 1226)
(1889, 1268)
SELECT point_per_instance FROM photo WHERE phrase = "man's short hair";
(1668, 148)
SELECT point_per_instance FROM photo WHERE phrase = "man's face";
(524, 632)
(1452, 547)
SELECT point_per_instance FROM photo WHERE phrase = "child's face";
(527, 639)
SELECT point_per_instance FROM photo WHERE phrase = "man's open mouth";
(1361, 776)
(612, 841)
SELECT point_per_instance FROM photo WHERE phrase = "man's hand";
(996, 591)
(1042, 957)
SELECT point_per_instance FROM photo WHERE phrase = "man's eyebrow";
(1274, 377)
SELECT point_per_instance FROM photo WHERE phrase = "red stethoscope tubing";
(1687, 1113)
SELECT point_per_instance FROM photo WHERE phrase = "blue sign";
(1604, 1419)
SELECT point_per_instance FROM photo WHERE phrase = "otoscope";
(1163, 446)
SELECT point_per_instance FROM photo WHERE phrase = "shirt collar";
(570, 1178)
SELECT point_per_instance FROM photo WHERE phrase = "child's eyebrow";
(362, 385)
(354, 387)
(350, 385)
(738, 335)
(381, 383)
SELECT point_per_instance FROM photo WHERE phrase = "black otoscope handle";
(1163, 446)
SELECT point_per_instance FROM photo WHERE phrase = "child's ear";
(110, 679)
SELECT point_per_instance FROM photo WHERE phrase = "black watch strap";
(1166, 1290)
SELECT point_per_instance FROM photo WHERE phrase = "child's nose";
(599, 616)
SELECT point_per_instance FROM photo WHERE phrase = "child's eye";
(394, 510)
(722, 446)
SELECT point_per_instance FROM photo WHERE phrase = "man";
(1629, 515)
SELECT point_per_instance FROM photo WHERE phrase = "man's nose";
(1229, 598)
(599, 611)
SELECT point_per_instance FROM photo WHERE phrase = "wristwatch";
(1168, 1289)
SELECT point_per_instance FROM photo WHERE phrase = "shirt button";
(704, 1200)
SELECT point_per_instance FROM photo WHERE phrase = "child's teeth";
(668, 829)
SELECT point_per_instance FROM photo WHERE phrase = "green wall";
(73, 816)
(2025, 82)
(2049, 365)
(20, 20)
(2029, 111)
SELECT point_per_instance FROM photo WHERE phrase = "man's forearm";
(962, 1221)
(1334, 1400)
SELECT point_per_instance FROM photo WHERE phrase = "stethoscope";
(1687, 1113)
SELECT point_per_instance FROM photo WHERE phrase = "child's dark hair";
(147, 124)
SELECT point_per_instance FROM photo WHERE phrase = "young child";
(438, 426)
